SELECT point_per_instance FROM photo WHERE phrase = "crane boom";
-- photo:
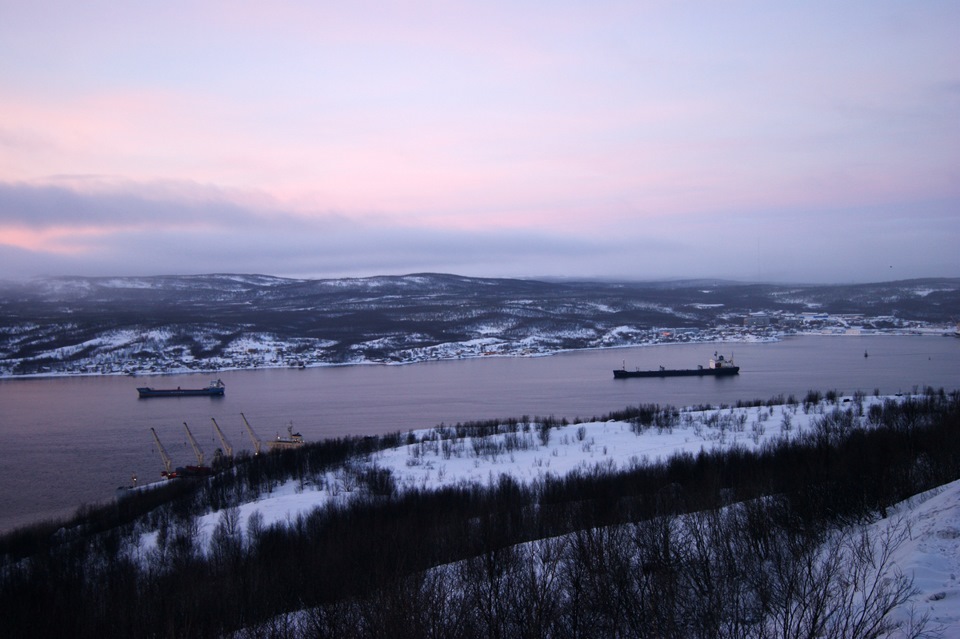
(256, 441)
(227, 448)
(167, 462)
(196, 447)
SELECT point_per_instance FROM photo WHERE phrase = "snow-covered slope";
(931, 553)
(435, 458)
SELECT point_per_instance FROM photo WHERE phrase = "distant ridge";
(169, 323)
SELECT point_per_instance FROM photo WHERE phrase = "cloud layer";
(815, 142)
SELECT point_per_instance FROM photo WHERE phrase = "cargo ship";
(719, 366)
(215, 389)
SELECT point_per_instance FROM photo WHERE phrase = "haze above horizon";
(815, 142)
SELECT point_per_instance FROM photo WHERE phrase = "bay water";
(65, 442)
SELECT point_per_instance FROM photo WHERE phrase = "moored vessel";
(293, 440)
(215, 389)
(719, 366)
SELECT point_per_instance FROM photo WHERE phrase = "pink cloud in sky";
(72, 239)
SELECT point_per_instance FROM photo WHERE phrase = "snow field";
(435, 458)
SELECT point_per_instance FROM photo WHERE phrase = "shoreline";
(931, 331)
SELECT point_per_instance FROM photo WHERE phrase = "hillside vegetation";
(734, 540)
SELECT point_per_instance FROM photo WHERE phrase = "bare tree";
(226, 542)
(534, 610)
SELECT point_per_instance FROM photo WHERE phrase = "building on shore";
(756, 320)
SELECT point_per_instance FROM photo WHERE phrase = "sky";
(776, 141)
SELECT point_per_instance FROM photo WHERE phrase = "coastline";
(491, 347)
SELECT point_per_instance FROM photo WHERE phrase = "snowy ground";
(931, 553)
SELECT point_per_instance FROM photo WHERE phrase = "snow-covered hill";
(62, 326)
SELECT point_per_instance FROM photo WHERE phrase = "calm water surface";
(69, 441)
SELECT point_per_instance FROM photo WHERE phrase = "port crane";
(199, 469)
(167, 462)
(256, 441)
(196, 446)
(227, 448)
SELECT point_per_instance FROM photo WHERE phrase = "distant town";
(153, 353)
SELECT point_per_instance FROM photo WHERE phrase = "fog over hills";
(82, 325)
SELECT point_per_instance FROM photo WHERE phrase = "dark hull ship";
(719, 366)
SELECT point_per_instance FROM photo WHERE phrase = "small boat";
(719, 366)
(215, 389)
